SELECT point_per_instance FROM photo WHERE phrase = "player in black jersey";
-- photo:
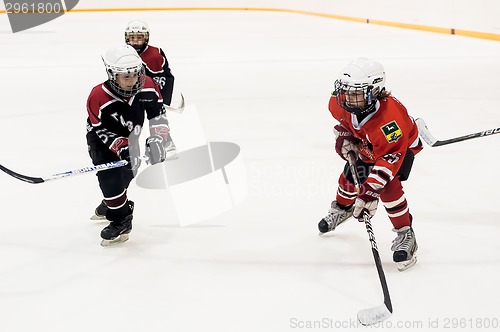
(155, 64)
(116, 110)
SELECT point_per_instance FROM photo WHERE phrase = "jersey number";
(128, 124)
(160, 81)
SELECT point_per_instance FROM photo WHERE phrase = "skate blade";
(403, 266)
(96, 217)
(119, 239)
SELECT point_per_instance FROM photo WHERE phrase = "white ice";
(261, 80)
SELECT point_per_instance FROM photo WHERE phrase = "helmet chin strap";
(369, 95)
(360, 111)
(370, 101)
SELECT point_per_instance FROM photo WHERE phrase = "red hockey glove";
(345, 142)
(367, 200)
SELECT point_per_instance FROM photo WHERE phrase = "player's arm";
(158, 127)
(155, 111)
(97, 117)
(156, 143)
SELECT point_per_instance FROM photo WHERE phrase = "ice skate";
(100, 212)
(171, 150)
(405, 248)
(116, 232)
(335, 217)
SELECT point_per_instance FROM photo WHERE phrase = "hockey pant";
(113, 182)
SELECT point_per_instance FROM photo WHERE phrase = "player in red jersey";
(156, 66)
(377, 128)
(116, 111)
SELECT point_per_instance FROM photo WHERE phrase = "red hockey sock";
(346, 192)
(395, 204)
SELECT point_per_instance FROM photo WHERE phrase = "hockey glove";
(133, 161)
(155, 149)
(345, 142)
(367, 200)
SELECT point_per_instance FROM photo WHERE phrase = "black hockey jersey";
(118, 122)
(157, 67)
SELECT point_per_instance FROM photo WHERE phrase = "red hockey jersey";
(385, 135)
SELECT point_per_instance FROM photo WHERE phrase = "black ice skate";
(119, 228)
(336, 216)
(405, 248)
(100, 212)
(116, 232)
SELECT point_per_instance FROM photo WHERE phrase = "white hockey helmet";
(137, 27)
(124, 60)
(363, 79)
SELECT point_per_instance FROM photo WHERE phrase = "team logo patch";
(391, 131)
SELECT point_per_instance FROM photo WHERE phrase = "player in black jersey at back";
(155, 64)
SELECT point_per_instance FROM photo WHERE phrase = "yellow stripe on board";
(448, 31)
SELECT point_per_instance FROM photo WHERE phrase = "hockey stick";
(382, 312)
(35, 180)
(179, 109)
(426, 135)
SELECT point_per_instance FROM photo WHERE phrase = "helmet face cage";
(113, 73)
(136, 28)
(128, 34)
(356, 98)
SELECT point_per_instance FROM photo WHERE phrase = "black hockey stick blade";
(21, 177)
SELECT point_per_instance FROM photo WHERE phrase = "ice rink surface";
(261, 80)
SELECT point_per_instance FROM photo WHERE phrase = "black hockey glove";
(133, 161)
(155, 149)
